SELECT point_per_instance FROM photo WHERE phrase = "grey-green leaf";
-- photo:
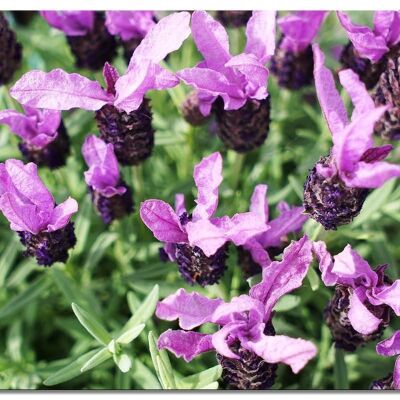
(101, 356)
(131, 334)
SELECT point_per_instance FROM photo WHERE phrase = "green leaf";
(210, 386)
(143, 376)
(82, 226)
(27, 296)
(131, 334)
(101, 356)
(98, 249)
(145, 310)
(340, 370)
(287, 302)
(123, 362)
(201, 379)
(91, 325)
(166, 374)
(71, 371)
(253, 280)
(7, 258)
(313, 279)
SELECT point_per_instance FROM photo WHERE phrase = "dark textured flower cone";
(330, 201)
(95, 48)
(389, 82)
(115, 207)
(10, 52)
(368, 72)
(54, 155)
(191, 111)
(23, 17)
(250, 372)
(234, 18)
(336, 317)
(49, 247)
(383, 384)
(244, 129)
(131, 134)
(293, 71)
(196, 267)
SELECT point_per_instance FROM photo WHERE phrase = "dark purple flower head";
(130, 24)
(299, 29)
(235, 78)
(389, 348)
(202, 229)
(368, 288)
(369, 43)
(72, 23)
(26, 202)
(291, 219)
(354, 158)
(58, 90)
(243, 319)
(35, 127)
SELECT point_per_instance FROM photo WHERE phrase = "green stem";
(340, 370)
(137, 181)
(236, 170)
(316, 232)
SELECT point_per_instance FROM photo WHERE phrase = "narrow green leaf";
(7, 258)
(143, 376)
(210, 386)
(82, 226)
(98, 249)
(340, 370)
(130, 335)
(166, 374)
(313, 279)
(101, 356)
(123, 361)
(91, 325)
(287, 302)
(154, 352)
(27, 296)
(69, 372)
(201, 379)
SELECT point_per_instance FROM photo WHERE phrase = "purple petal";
(206, 235)
(191, 309)
(376, 153)
(361, 319)
(211, 40)
(282, 349)
(245, 226)
(372, 175)
(289, 221)
(387, 24)
(72, 23)
(325, 262)
(185, 344)
(390, 295)
(259, 202)
(207, 176)
(260, 32)
(350, 145)
(20, 124)
(331, 103)
(62, 214)
(180, 207)
(389, 347)
(367, 44)
(299, 29)
(161, 219)
(357, 91)
(220, 340)
(111, 76)
(258, 253)
(129, 24)
(58, 90)
(352, 270)
(282, 277)
(396, 374)
(165, 37)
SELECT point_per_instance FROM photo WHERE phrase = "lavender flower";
(293, 60)
(237, 84)
(86, 34)
(110, 195)
(246, 345)
(43, 227)
(367, 52)
(131, 27)
(388, 348)
(10, 52)
(255, 254)
(362, 305)
(337, 186)
(197, 242)
(44, 138)
(123, 115)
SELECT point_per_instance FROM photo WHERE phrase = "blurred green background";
(111, 271)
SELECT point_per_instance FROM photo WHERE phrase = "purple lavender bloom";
(44, 138)
(337, 186)
(44, 227)
(293, 60)
(111, 196)
(245, 328)
(131, 27)
(197, 242)
(240, 82)
(123, 115)
(87, 36)
(262, 246)
(368, 48)
(361, 307)
(389, 348)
